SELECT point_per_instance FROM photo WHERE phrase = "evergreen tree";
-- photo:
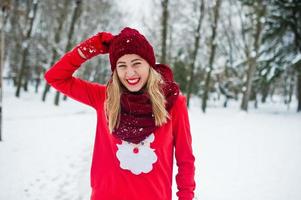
(283, 36)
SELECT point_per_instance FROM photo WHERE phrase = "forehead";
(129, 57)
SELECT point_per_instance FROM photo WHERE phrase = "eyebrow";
(137, 59)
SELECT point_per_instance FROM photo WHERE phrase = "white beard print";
(137, 158)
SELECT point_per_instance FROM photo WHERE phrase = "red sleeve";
(60, 77)
(183, 150)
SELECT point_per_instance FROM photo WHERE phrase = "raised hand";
(95, 45)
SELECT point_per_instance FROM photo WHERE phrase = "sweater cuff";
(74, 58)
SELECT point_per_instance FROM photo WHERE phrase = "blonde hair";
(113, 94)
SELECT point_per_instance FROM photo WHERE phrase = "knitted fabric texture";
(97, 44)
(130, 41)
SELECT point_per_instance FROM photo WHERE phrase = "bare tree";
(3, 20)
(60, 19)
(212, 47)
(258, 10)
(75, 16)
(23, 68)
(164, 25)
(195, 50)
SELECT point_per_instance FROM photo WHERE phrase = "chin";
(134, 89)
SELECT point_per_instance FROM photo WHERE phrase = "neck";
(137, 92)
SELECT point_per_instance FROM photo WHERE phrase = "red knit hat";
(130, 41)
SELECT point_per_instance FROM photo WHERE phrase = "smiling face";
(132, 71)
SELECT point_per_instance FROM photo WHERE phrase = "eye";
(137, 63)
(121, 66)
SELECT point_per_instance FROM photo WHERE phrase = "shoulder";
(180, 103)
(181, 99)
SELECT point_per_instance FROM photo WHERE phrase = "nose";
(130, 72)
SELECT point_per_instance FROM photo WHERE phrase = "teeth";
(133, 81)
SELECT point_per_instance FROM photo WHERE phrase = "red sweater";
(123, 171)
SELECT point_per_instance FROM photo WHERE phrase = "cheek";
(119, 74)
(145, 74)
(120, 77)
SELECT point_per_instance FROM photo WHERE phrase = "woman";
(141, 119)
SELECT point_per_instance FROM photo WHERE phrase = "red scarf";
(136, 117)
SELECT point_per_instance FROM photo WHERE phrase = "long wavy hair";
(113, 94)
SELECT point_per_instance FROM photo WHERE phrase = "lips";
(133, 81)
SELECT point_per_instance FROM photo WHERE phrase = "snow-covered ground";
(46, 150)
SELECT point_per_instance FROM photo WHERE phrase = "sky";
(135, 11)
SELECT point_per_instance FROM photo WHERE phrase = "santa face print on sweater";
(137, 158)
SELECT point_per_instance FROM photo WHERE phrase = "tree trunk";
(265, 92)
(164, 24)
(195, 52)
(21, 73)
(23, 66)
(259, 11)
(75, 16)
(3, 19)
(55, 56)
(247, 92)
(299, 90)
(45, 91)
(255, 101)
(294, 27)
(25, 85)
(37, 82)
(53, 60)
(212, 55)
(291, 87)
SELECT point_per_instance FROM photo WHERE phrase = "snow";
(31, 13)
(247, 156)
(253, 54)
(262, 20)
(25, 44)
(297, 58)
(271, 73)
(47, 150)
